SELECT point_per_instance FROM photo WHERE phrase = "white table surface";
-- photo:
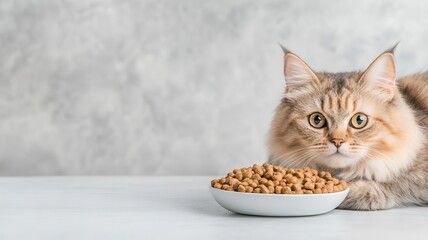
(172, 208)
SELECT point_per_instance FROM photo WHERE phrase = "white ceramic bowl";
(278, 204)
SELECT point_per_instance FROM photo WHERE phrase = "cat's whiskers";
(301, 159)
(289, 155)
(294, 161)
(274, 161)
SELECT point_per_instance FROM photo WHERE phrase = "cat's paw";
(366, 195)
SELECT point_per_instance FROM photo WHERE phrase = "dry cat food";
(279, 180)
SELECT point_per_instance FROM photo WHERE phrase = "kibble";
(269, 179)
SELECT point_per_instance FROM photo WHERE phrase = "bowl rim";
(280, 195)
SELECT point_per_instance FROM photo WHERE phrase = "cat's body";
(360, 126)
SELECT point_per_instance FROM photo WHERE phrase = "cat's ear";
(380, 76)
(298, 75)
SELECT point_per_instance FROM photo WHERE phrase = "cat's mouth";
(337, 159)
(338, 151)
(340, 157)
(338, 154)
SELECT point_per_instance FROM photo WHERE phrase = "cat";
(366, 128)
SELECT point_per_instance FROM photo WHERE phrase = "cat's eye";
(317, 120)
(359, 120)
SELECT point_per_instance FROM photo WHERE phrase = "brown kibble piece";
(248, 180)
(264, 189)
(241, 188)
(258, 170)
(288, 178)
(317, 191)
(296, 187)
(268, 175)
(309, 185)
(314, 172)
(268, 167)
(321, 180)
(299, 175)
(286, 190)
(233, 181)
(328, 176)
(294, 180)
(329, 188)
(319, 185)
(214, 182)
(256, 176)
(239, 175)
(277, 177)
(305, 180)
(247, 174)
(314, 178)
(254, 184)
(263, 181)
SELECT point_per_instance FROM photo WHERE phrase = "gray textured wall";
(171, 87)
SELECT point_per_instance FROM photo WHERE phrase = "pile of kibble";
(279, 180)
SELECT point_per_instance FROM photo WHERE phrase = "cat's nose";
(337, 142)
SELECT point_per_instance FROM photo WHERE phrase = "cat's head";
(351, 120)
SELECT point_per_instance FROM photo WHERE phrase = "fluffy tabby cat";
(364, 127)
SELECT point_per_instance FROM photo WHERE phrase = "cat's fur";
(386, 162)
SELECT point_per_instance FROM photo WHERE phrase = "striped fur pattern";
(386, 162)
